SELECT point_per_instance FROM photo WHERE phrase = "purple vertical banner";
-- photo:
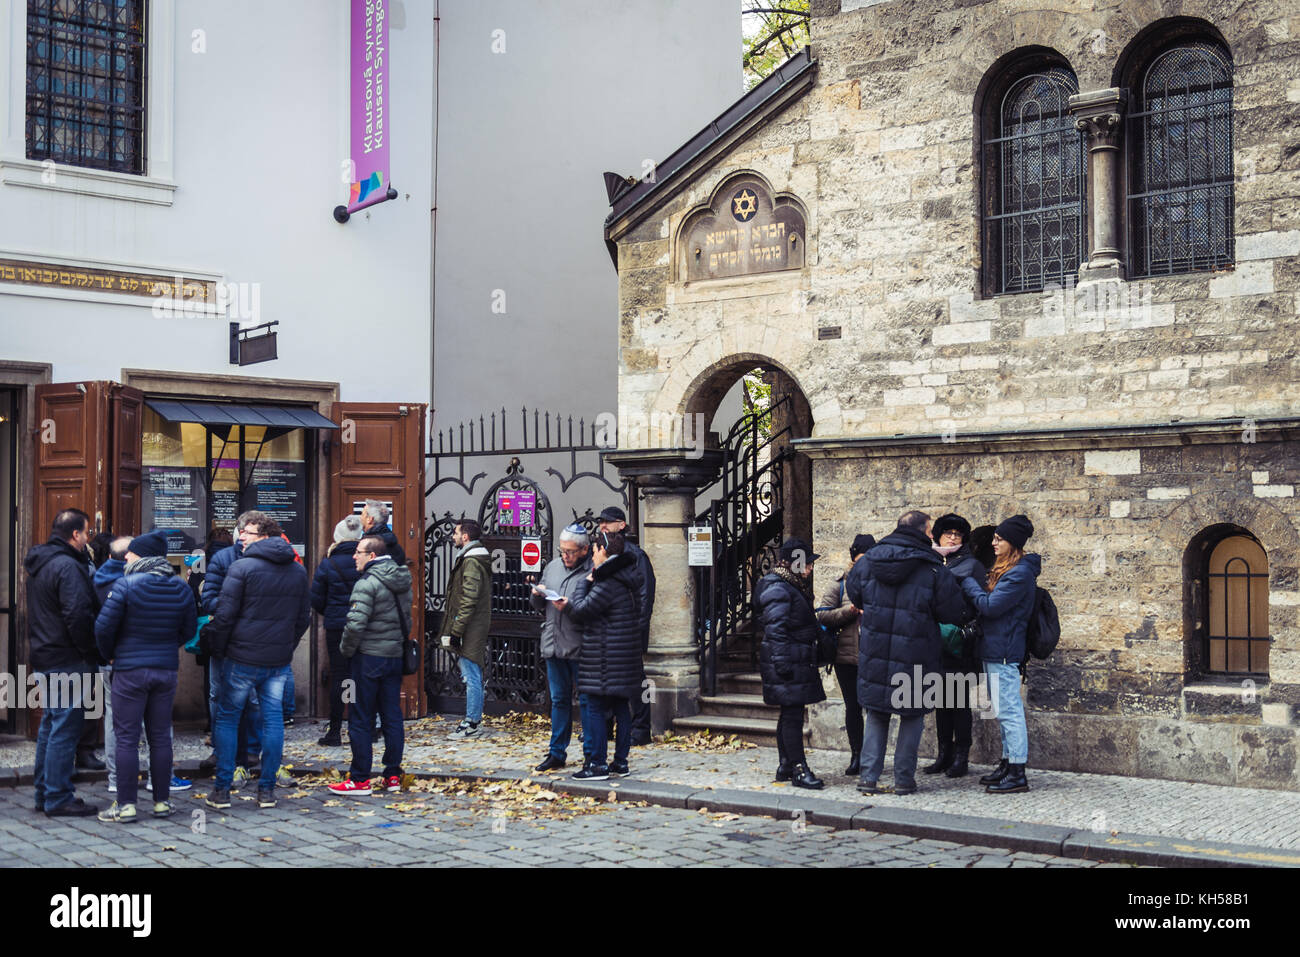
(371, 105)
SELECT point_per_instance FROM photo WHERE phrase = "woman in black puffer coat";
(331, 597)
(787, 657)
(606, 607)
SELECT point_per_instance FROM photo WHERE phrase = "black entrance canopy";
(218, 414)
(220, 418)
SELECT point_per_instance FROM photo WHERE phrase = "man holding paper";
(562, 640)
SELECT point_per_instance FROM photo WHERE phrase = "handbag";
(410, 647)
(192, 646)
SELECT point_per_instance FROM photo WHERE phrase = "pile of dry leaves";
(704, 741)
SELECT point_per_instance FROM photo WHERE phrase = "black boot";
(1013, 783)
(854, 768)
(997, 774)
(960, 763)
(942, 762)
(784, 771)
(804, 778)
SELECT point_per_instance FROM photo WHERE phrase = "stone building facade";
(1119, 364)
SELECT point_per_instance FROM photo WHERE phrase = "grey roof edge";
(783, 86)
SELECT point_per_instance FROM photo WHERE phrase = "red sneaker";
(393, 783)
(352, 788)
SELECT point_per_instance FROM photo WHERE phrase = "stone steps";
(737, 709)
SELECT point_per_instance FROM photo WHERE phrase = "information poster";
(515, 508)
(175, 500)
(280, 490)
(225, 508)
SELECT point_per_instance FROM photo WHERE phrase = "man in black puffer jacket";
(331, 597)
(264, 608)
(606, 605)
(61, 643)
(904, 593)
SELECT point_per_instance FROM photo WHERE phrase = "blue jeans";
(56, 742)
(562, 675)
(1004, 695)
(599, 708)
(290, 702)
(248, 738)
(378, 686)
(239, 682)
(473, 676)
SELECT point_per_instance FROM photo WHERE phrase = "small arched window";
(1034, 177)
(1180, 162)
(1236, 627)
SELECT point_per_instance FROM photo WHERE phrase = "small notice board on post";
(699, 545)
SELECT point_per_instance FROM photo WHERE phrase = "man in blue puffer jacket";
(264, 608)
(148, 615)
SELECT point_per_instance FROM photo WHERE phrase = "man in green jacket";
(377, 624)
(467, 617)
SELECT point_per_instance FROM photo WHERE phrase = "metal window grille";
(86, 83)
(1236, 579)
(1181, 198)
(1035, 234)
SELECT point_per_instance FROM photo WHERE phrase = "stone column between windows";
(1099, 115)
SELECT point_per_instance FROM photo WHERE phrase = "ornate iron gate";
(515, 676)
(747, 519)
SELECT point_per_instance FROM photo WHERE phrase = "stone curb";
(1151, 850)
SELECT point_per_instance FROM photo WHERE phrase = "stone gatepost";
(668, 480)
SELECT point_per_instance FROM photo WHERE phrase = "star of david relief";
(744, 205)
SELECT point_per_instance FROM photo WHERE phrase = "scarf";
(154, 565)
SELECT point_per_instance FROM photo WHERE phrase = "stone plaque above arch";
(745, 230)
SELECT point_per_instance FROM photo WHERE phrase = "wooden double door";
(86, 452)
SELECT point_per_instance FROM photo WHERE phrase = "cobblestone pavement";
(1095, 802)
(316, 830)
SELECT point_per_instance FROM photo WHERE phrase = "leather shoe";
(905, 788)
(872, 787)
(960, 764)
(86, 761)
(854, 768)
(331, 739)
(1014, 782)
(942, 762)
(783, 771)
(551, 763)
(997, 774)
(74, 808)
(802, 777)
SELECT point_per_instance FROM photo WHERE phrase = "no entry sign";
(530, 554)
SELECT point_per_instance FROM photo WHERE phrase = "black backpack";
(1044, 627)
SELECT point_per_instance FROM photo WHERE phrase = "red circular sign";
(531, 552)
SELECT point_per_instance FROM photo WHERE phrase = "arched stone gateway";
(744, 482)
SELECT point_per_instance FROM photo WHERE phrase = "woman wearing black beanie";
(1004, 611)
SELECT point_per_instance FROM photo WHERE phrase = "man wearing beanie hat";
(904, 593)
(952, 719)
(613, 519)
(331, 596)
(148, 615)
(1004, 612)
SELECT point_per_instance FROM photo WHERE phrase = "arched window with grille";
(1236, 625)
(1180, 162)
(1034, 176)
